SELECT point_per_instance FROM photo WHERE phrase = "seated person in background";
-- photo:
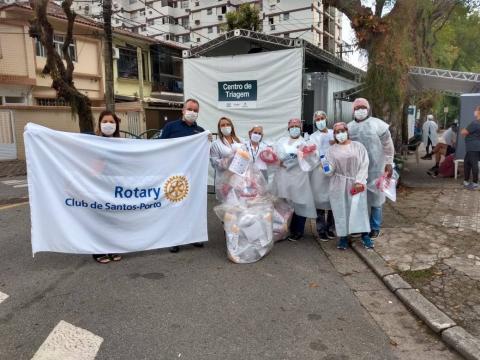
(446, 145)
(414, 141)
(446, 168)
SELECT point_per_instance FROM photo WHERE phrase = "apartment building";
(194, 22)
(319, 24)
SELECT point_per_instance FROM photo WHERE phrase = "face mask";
(294, 132)
(190, 116)
(226, 131)
(341, 137)
(108, 128)
(360, 114)
(256, 138)
(321, 124)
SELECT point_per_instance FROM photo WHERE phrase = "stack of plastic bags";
(251, 217)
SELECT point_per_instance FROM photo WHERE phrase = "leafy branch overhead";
(61, 72)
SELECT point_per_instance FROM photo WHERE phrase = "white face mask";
(294, 132)
(190, 116)
(341, 137)
(226, 130)
(255, 137)
(360, 114)
(108, 128)
(321, 124)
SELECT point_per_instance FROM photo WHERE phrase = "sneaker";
(374, 234)
(474, 186)
(367, 242)
(174, 249)
(466, 184)
(331, 234)
(433, 168)
(342, 243)
(323, 236)
(199, 244)
(295, 237)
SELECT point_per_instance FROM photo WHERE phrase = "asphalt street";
(192, 305)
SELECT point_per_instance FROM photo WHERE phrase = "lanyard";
(254, 154)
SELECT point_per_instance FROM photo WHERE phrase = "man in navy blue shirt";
(186, 126)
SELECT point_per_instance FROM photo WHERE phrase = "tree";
(245, 17)
(395, 35)
(62, 76)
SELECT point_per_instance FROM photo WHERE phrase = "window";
(142, 12)
(14, 100)
(197, 3)
(271, 20)
(184, 4)
(132, 1)
(58, 44)
(224, 9)
(150, 22)
(127, 63)
(197, 22)
(198, 39)
(184, 21)
(286, 16)
(210, 29)
(143, 28)
(186, 38)
(209, 11)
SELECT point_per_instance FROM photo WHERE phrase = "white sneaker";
(466, 183)
(475, 186)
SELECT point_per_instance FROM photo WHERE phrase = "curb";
(453, 335)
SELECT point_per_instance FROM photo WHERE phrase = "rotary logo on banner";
(96, 195)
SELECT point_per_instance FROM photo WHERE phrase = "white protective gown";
(319, 181)
(293, 184)
(255, 156)
(373, 133)
(220, 152)
(349, 165)
(430, 130)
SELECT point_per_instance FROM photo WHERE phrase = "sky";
(356, 58)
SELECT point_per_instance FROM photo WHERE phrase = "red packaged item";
(268, 156)
(353, 190)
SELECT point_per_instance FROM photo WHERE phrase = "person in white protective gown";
(255, 146)
(374, 134)
(291, 182)
(348, 162)
(323, 139)
(429, 136)
(223, 149)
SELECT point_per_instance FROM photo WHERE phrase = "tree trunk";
(108, 55)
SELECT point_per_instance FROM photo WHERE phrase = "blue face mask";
(294, 132)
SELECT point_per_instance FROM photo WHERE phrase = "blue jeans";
(376, 218)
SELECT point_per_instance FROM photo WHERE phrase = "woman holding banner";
(223, 148)
(291, 182)
(108, 126)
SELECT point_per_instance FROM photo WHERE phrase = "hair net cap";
(361, 102)
(319, 113)
(295, 122)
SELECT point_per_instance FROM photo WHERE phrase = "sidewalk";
(12, 168)
(432, 236)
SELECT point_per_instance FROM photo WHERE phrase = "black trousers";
(471, 165)
(429, 145)
(325, 221)
(297, 226)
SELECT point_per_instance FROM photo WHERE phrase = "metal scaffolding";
(275, 41)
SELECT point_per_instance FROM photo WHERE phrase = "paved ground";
(300, 302)
(432, 234)
(12, 168)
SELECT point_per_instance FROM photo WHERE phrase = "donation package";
(96, 195)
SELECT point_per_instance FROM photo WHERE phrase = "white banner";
(263, 88)
(96, 195)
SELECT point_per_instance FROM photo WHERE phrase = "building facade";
(194, 22)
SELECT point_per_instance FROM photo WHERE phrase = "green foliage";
(245, 17)
(458, 42)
